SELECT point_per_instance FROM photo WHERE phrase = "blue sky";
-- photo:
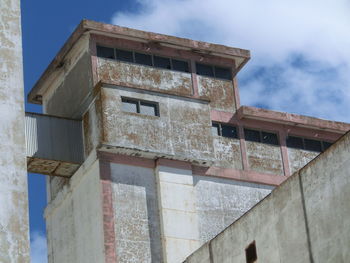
(300, 52)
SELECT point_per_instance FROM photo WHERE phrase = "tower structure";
(170, 157)
(14, 228)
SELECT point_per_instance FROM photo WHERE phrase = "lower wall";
(164, 213)
(74, 220)
(303, 220)
(219, 202)
(136, 216)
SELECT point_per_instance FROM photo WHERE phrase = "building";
(303, 220)
(149, 152)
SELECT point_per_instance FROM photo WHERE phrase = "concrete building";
(164, 157)
(14, 228)
(303, 220)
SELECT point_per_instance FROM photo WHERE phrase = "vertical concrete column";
(177, 205)
(194, 79)
(14, 234)
(284, 152)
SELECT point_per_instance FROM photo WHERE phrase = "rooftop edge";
(118, 31)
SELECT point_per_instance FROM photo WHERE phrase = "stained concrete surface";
(14, 232)
(303, 220)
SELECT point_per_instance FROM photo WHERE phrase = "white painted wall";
(74, 220)
(14, 234)
(179, 220)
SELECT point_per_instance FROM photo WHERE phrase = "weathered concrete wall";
(219, 202)
(135, 204)
(298, 158)
(145, 77)
(264, 158)
(227, 152)
(303, 220)
(183, 127)
(74, 219)
(219, 91)
(92, 126)
(14, 233)
(326, 189)
(274, 226)
(72, 90)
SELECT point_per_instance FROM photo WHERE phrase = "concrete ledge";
(239, 175)
(246, 112)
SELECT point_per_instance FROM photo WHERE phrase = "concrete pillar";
(177, 205)
(14, 234)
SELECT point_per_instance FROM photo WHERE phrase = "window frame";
(261, 136)
(213, 67)
(152, 59)
(220, 129)
(138, 106)
(322, 142)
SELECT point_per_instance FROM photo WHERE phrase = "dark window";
(105, 52)
(130, 105)
(149, 108)
(326, 145)
(252, 135)
(223, 73)
(269, 138)
(228, 131)
(161, 62)
(204, 70)
(307, 144)
(295, 142)
(312, 145)
(250, 253)
(124, 55)
(180, 65)
(215, 129)
(223, 130)
(140, 106)
(143, 59)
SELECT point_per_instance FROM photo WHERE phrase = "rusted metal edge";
(57, 164)
(124, 32)
(246, 112)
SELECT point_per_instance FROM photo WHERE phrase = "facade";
(303, 220)
(14, 226)
(170, 157)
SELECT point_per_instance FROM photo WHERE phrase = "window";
(140, 106)
(105, 52)
(224, 130)
(180, 65)
(143, 59)
(261, 136)
(250, 253)
(213, 71)
(161, 62)
(307, 144)
(123, 55)
(204, 70)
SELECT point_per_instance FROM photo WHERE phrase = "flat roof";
(246, 112)
(98, 28)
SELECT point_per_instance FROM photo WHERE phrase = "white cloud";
(300, 48)
(38, 248)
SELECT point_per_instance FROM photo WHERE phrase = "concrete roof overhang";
(241, 56)
(247, 112)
